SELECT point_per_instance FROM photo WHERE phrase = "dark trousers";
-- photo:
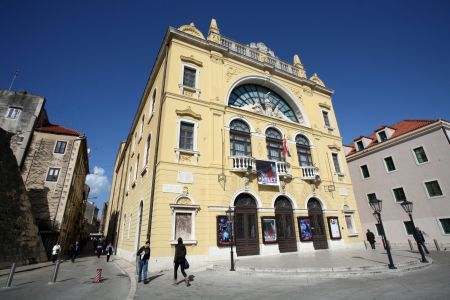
(175, 271)
(424, 247)
(107, 257)
(372, 244)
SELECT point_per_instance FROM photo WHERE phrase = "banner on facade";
(266, 172)
(333, 226)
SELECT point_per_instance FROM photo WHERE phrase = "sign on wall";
(333, 226)
(266, 172)
(304, 226)
(269, 230)
(224, 231)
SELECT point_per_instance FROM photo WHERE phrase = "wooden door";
(246, 226)
(284, 217)
(317, 225)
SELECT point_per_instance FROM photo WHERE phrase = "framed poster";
(304, 229)
(333, 226)
(224, 231)
(269, 230)
(266, 172)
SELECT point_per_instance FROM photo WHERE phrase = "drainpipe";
(155, 161)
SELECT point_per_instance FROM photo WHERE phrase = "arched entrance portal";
(246, 225)
(285, 225)
(317, 224)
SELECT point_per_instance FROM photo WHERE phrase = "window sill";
(149, 119)
(352, 234)
(194, 153)
(132, 154)
(186, 242)
(144, 170)
(435, 197)
(189, 91)
(139, 140)
(340, 174)
(329, 128)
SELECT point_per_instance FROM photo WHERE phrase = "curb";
(125, 269)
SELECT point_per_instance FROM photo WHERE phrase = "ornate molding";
(188, 112)
(325, 105)
(297, 92)
(231, 72)
(192, 60)
(334, 146)
(192, 30)
(316, 79)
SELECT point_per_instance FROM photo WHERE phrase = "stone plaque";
(185, 177)
(343, 191)
(172, 188)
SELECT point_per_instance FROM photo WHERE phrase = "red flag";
(284, 147)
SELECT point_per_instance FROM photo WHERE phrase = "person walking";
(144, 255)
(420, 239)
(72, 253)
(55, 252)
(99, 250)
(179, 260)
(370, 238)
(109, 251)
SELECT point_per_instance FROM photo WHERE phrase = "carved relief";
(231, 72)
(216, 57)
(307, 90)
(188, 112)
(185, 158)
(192, 30)
(188, 93)
(268, 110)
(191, 60)
(298, 93)
(184, 201)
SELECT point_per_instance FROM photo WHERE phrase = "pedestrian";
(144, 255)
(109, 251)
(179, 260)
(55, 252)
(420, 239)
(72, 253)
(77, 248)
(370, 238)
(99, 250)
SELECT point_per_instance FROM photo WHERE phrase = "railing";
(310, 173)
(283, 168)
(243, 164)
(256, 55)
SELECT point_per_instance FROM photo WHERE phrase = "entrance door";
(246, 226)
(317, 224)
(285, 225)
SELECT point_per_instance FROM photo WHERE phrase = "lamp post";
(376, 205)
(230, 228)
(408, 208)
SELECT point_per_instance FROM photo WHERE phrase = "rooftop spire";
(214, 32)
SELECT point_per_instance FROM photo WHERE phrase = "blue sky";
(386, 60)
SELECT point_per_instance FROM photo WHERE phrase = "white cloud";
(98, 181)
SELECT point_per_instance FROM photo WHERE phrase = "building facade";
(224, 126)
(409, 160)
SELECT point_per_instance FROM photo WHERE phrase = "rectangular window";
(433, 188)
(183, 226)
(445, 223)
(189, 77)
(360, 145)
(337, 166)
(389, 162)
(147, 150)
(326, 118)
(186, 136)
(383, 136)
(399, 194)
(421, 156)
(152, 104)
(349, 223)
(60, 147)
(13, 112)
(365, 171)
(409, 227)
(53, 174)
(380, 232)
(371, 197)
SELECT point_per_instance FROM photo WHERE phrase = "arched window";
(240, 141)
(274, 143)
(147, 150)
(303, 151)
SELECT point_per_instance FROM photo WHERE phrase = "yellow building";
(225, 125)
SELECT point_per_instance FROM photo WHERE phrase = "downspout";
(155, 161)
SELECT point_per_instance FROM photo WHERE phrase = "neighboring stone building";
(19, 235)
(91, 212)
(54, 173)
(406, 160)
(19, 113)
(103, 219)
(221, 125)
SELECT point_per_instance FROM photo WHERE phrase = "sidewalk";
(5, 272)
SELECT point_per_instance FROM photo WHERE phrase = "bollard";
(98, 276)
(11, 275)
(437, 245)
(410, 245)
(55, 272)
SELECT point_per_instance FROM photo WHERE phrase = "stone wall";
(19, 235)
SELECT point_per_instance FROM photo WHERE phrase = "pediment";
(188, 112)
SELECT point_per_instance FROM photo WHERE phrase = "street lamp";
(231, 231)
(408, 208)
(376, 205)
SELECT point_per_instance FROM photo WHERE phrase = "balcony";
(310, 173)
(284, 169)
(243, 164)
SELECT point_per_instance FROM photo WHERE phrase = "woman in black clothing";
(179, 261)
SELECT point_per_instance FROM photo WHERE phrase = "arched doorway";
(317, 224)
(285, 225)
(246, 225)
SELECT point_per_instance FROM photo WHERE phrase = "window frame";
(193, 213)
(368, 199)
(56, 145)
(145, 161)
(426, 189)
(330, 124)
(358, 144)
(11, 108)
(191, 145)
(247, 135)
(307, 148)
(393, 194)
(273, 140)
(151, 107)
(48, 173)
(362, 173)
(197, 75)
(380, 140)
(194, 151)
(386, 166)
(405, 229)
(341, 172)
(438, 219)
(415, 156)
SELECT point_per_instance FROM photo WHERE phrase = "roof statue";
(192, 30)
(214, 32)
(316, 79)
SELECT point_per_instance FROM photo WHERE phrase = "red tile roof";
(400, 128)
(56, 129)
